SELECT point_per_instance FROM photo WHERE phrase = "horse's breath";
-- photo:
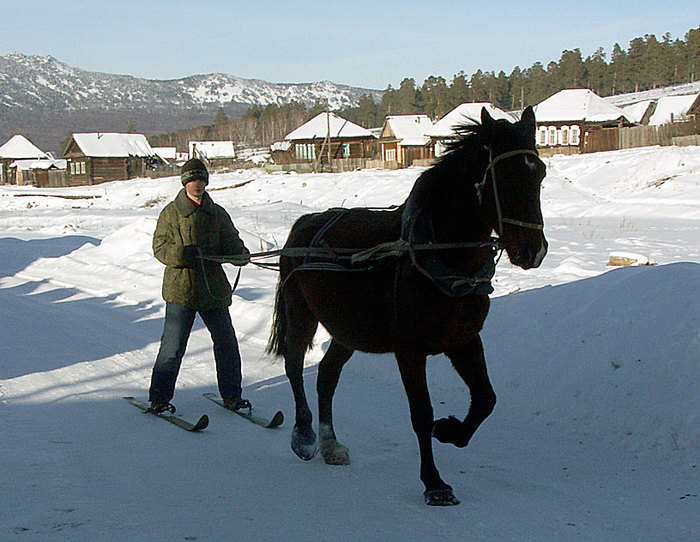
(415, 306)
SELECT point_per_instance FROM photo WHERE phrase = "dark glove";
(189, 255)
(241, 259)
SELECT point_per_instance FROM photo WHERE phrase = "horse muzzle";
(529, 256)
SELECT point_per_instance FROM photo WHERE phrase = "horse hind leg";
(470, 364)
(301, 327)
(334, 453)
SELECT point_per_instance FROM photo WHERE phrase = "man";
(190, 226)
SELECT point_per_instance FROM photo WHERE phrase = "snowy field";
(596, 435)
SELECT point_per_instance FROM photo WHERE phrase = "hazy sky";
(362, 43)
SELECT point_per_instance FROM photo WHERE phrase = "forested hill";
(646, 64)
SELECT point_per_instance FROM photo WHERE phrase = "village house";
(444, 131)
(330, 137)
(565, 120)
(95, 158)
(403, 140)
(42, 172)
(217, 154)
(16, 148)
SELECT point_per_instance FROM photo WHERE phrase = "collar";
(185, 206)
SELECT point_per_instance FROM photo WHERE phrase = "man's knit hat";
(193, 169)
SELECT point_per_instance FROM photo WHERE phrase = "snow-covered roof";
(168, 154)
(18, 147)
(212, 149)
(111, 145)
(635, 112)
(410, 129)
(25, 165)
(577, 105)
(670, 108)
(467, 113)
(282, 146)
(318, 127)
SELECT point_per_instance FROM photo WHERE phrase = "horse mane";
(469, 138)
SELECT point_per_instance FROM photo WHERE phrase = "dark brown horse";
(422, 302)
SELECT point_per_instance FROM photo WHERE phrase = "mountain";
(44, 99)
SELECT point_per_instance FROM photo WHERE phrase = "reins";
(349, 259)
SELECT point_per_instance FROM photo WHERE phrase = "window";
(390, 155)
(542, 136)
(552, 140)
(82, 168)
(72, 168)
(564, 135)
(575, 135)
(305, 151)
(345, 150)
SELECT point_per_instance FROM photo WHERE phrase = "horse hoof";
(304, 443)
(450, 431)
(440, 497)
(335, 453)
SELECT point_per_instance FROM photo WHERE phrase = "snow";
(19, 146)
(577, 105)
(410, 129)
(595, 435)
(113, 145)
(670, 108)
(465, 113)
(323, 124)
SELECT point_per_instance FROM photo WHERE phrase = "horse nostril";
(526, 256)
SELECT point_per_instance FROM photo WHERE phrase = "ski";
(275, 421)
(175, 420)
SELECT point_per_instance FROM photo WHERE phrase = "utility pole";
(328, 125)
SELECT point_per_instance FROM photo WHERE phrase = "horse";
(429, 298)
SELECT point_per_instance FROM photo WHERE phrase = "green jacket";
(210, 227)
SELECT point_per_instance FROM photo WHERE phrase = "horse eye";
(535, 166)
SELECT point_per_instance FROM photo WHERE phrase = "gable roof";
(577, 105)
(635, 112)
(213, 149)
(317, 128)
(410, 129)
(467, 113)
(19, 147)
(101, 145)
(39, 163)
(676, 106)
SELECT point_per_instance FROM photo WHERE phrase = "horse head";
(509, 191)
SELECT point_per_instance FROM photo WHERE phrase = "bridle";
(481, 185)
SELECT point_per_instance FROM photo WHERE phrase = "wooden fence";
(612, 139)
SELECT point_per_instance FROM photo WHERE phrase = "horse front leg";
(470, 364)
(413, 376)
(334, 453)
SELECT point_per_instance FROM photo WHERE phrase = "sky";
(369, 44)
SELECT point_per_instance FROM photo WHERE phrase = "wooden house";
(329, 136)
(565, 120)
(403, 140)
(100, 157)
(17, 148)
(42, 172)
(444, 130)
(216, 154)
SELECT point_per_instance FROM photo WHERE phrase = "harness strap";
(481, 185)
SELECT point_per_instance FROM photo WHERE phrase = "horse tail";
(278, 333)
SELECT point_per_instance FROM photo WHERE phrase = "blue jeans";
(176, 332)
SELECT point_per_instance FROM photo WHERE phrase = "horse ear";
(486, 118)
(527, 119)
